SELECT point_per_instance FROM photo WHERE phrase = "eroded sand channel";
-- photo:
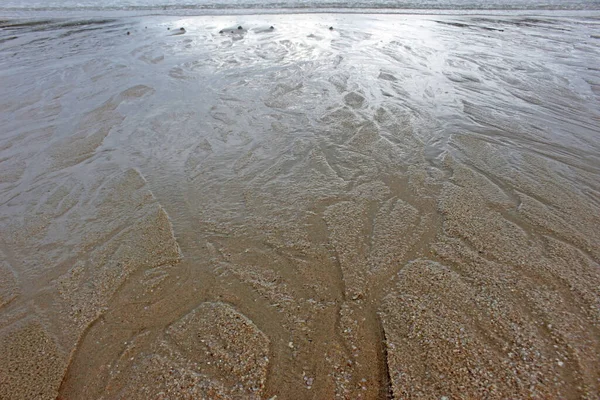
(401, 207)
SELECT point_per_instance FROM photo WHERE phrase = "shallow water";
(302, 212)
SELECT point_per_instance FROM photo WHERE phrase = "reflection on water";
(398, 206)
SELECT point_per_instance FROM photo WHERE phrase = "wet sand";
(401, 207)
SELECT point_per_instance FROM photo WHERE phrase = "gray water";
(207, 5)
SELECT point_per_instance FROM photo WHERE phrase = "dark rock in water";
(182, 29)
(272, 27)
(128, 33)
(240, 27)
(331, 28)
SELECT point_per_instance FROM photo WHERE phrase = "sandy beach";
(261, 207)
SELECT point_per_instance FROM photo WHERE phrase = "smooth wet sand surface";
(401, 207)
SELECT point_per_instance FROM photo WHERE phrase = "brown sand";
(369, 221)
